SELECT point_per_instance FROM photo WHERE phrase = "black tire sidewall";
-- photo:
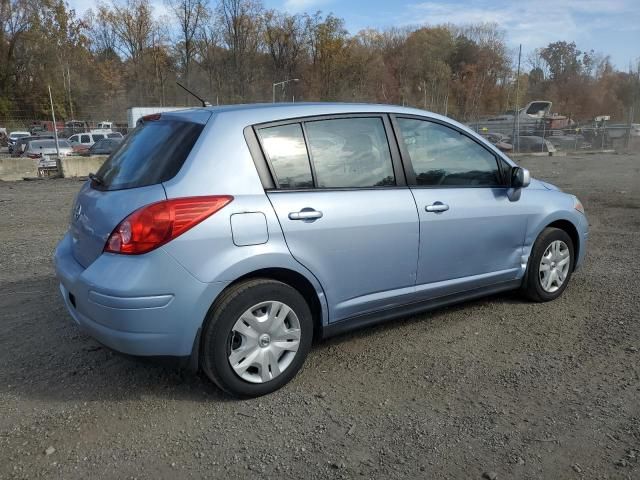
(533, 286)
(223, 316)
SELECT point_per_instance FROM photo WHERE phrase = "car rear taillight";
(158, 223)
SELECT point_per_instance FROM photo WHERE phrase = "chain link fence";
(540, 133)
(553, 134)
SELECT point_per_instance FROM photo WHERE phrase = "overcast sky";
(608, 26)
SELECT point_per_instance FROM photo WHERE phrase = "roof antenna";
(204, 102)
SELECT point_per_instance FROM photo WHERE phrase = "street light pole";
(283, 83)
(55, 135)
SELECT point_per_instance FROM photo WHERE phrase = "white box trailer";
(136, 113)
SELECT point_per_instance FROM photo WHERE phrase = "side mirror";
(520, 177)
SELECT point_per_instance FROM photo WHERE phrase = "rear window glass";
(153, 153)
(285, 147)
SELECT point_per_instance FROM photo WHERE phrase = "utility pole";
(516, 126)
(55, 135)
(69, 83)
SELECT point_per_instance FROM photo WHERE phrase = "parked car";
(47, 148)
(13, 138)
(82, 141)
(531, 143)
(22, 142)
(72, 127)
(499, 140)
(105, 146)
(231, 237)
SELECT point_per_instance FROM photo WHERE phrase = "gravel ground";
(497, 387)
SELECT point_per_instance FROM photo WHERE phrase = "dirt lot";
(498, 386)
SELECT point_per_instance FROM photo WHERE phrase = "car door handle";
(305, 214)
(437, 207)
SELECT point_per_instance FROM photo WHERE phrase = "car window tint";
(285, 148)
(442, 156)
(153, 153)
(84, 139)
(350, 152)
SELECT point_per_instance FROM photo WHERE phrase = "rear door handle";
(437, 207)
(305, 214)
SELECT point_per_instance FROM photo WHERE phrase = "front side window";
(285, 148)
(442, 156)
(350, 152)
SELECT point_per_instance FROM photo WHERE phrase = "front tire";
(256, 337)
(550, 266)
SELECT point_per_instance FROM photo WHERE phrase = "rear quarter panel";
(221, 164)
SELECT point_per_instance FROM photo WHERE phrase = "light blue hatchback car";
(231, 237)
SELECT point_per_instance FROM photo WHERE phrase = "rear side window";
(98, 136)
(287, 153)
(332, 153)
(153, 153)
(85, 139)
(350, 153)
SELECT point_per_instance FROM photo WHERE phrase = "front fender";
(546, 207)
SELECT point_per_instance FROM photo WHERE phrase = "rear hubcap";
(554, 266)
(263, 342)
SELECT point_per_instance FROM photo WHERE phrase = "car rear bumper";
(145, 305)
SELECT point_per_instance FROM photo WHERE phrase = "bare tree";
(210, 55)
(284, 36)
(191, 14)
(241, 22)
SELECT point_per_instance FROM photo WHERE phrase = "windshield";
(153, 153)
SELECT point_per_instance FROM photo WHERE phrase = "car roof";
(48, 140)
(244, 115)
(256, 113)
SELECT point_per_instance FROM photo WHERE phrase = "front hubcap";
(554, 266)
(263, 342)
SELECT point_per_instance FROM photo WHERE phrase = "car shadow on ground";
(46, 356)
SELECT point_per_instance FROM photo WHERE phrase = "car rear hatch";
(132, 178)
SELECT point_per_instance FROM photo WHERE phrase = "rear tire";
(256, 337)
(550, 266)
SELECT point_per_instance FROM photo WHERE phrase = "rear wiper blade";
(95, 178)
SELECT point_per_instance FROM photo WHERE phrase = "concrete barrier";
(17, 168)
(82, 166)
(12, 169)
